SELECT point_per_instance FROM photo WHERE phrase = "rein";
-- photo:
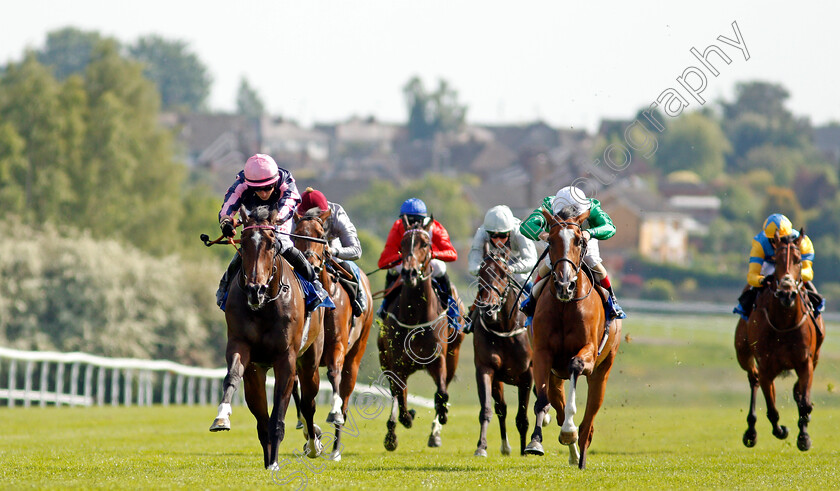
(417, 326)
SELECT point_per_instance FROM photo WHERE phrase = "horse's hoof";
(273, 467)
(317, 430)
(335, 418)
(505, 448)
(547, 419)
(782, 433)
(803, 442)
(408, 419)
(220, 424)
(480, 453)
(313, 451)
(434, 441)
(335, 456)
(299, 425)
(750, 437)
(391, 442)
(568, 437)
(534, 448)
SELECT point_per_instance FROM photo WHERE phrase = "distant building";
(294, 147)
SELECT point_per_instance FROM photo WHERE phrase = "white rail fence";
(45, 378)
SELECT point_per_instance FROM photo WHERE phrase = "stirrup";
(739, 309)
(616, 312)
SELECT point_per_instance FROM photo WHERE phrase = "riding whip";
(522, 287)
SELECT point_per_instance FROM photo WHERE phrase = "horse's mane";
(568, 211)
(788, 239)
(260, 213)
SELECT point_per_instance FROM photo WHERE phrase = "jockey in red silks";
(414, 211)
(263, 183)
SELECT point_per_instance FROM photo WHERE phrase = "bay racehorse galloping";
(345, 336)
(570, 338)
(502, 348)
(782, 333)
(267, 328)
(416, 335)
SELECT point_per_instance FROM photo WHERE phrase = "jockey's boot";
(817, 300)
(746, 302)
(471, 318)
(452, 311)
(302, 267)
(614, 310)
(355, 294)
(224, 283)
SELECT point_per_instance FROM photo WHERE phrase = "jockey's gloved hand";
(226, 224)
(766, 280)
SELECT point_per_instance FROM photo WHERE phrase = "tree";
(783, 200)
(693, 142)
(68, 51)
(248, 101)
(758, 117)
(180, 76)
(431, 113)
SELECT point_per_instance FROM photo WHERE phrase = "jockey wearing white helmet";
(501, 229)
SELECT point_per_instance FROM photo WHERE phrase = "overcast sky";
(567, 63)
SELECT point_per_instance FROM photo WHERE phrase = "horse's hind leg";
(236, 368)
(769, 390)
(334, 353)
(483, 379)
(437, 369)
(802, 396)
(750, 436)
(524, 386)
(501, 412)
(258, 405)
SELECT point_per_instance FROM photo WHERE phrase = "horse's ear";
(801, 236)
(486, 248)
(427, 222)
(272, 216)
(548, 216)
(323, 216)
(244, 215)
(404, 221)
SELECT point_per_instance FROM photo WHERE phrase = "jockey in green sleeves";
(599, 226)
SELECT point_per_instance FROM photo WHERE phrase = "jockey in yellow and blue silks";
(761, 263)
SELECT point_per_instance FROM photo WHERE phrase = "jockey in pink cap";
(263, 183)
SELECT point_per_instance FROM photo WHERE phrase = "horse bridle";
(310, 253)
(577, 266)
(497, 306)
(273, 261)
(775, 285)
(427, 260)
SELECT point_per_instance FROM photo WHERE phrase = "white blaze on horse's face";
(565, 280)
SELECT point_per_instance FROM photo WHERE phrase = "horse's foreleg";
(802, 396)
(769, 390)
(236, 368)
(310, 381)
(501, 412)
(284, 378)
(255, 397)
(483, 379)
(524, 389)
(398, 410)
